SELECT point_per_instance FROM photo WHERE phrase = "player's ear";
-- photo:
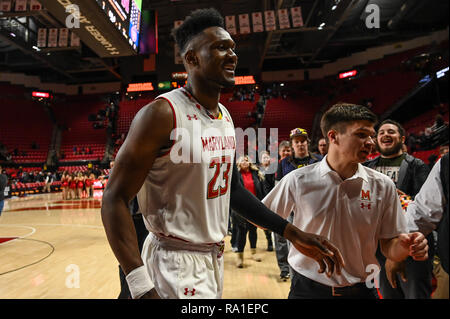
(191, 58)
(332, 136)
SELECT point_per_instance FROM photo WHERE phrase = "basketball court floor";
(55, 249)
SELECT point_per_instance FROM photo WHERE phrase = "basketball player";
(185, 204)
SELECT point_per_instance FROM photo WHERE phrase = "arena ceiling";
(332, 29)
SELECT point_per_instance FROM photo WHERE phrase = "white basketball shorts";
(182, 270)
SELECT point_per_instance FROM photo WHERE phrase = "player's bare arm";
(314, 246)
(148, 134)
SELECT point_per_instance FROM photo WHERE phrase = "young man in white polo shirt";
(354, 206)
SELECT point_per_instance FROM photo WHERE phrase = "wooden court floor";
(55, 249)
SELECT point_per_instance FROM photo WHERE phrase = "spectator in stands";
(253, 181)
(264, 166)
(322, 147)
(284, 150)
(412, 142)
(40, 177)
(49, 179)
(408, 174)
(301, 157)
(269, 178)
(3, 184)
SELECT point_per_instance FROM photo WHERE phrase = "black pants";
(241, 235)
(419, 275)
(305, 288)
(141, 233)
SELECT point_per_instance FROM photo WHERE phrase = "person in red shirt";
(88, 183)
(253, 180)
(72, 186)
(65, 184)
(80, 185)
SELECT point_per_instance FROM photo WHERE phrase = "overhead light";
(336, 2)
(12, 34)
(322, 25)
(36, 48)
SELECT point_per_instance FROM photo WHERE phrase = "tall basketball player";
(185, 203)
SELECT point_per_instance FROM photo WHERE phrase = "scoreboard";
(125, 15)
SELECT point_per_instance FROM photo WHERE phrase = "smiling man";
(185, 204)
(408, 174)
(357, 207)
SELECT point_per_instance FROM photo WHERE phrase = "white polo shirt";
(353, 214)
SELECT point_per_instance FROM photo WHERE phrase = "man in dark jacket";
(300, 157)
(409, 174)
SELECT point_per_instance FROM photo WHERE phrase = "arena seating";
(22, 123)
(287, 114)
(74, 114)
(127, 111)
(239, 110)
(423, 155)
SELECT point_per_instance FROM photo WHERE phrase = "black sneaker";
(285, 277)
(270, 248)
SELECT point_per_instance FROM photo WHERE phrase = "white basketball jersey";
(187, 191)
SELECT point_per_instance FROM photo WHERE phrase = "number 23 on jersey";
(221, 166)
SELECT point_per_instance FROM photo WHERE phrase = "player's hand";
(392, 269)
(318, 248)
(416, 244)
(152, 294)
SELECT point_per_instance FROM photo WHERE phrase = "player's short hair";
(194, 24)
(400, 128)
(339, 115)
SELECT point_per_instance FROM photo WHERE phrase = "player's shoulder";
(159, 109)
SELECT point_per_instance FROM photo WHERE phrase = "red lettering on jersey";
(365, 194)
